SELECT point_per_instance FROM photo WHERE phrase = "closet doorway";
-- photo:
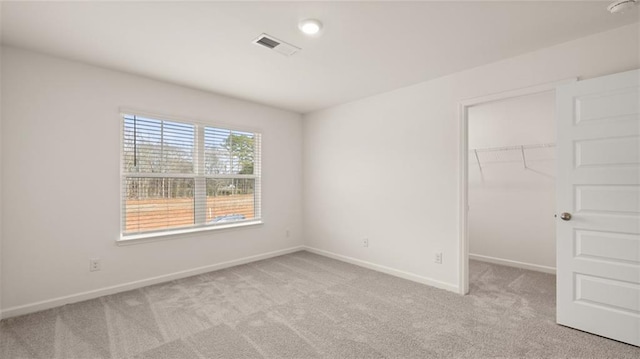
(596, 283)
(508, 183)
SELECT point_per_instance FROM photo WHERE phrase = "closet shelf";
(521, 148)
(513, 148)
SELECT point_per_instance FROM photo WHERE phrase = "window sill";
(165, 235)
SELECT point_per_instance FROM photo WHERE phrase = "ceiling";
(365, 48)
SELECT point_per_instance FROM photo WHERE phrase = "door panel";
(610, 152)
(608, 246)
(602, 199)
(608, 293)
(598, 249)
(608, 106)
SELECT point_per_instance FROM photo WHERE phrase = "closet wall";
(511, 206)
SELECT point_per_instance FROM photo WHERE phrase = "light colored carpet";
(305, 306)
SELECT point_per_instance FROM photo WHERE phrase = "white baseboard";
(79, 297)
(510, 263)
(387, 270)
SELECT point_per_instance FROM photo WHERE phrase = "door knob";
(565, 216)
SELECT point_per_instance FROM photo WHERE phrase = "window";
(179, 175)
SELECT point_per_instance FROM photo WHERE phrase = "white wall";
(511, 208)
(387, 166)
(61, 142)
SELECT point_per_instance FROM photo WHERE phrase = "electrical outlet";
(94, 264)
(365, 242)
(438, 257)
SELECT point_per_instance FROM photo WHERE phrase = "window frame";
(199, 176)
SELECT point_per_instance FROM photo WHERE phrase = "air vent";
(276, 45)
(265, 41)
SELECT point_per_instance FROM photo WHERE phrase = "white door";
(598, 185)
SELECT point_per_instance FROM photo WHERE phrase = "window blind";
(180, 175)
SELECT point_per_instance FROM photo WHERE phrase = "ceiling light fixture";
(310, 26)
(621, 6)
